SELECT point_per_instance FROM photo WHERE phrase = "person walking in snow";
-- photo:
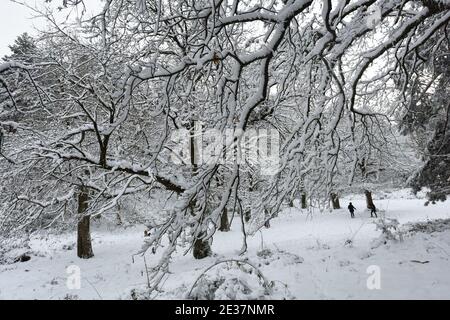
(373, 211)
(352, 209)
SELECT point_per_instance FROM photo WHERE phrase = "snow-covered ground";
(319, 256)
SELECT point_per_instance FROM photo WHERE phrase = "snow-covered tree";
(317, 71)
(427, 114)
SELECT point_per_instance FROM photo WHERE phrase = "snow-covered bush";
(389, 231)
(13, 247)
(269, 257)
(437, 225)
(235, 280)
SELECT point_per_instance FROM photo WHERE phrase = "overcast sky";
(16, 19)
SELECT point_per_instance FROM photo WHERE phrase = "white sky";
(16, 19)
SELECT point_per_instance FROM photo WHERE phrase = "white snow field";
(311, 255)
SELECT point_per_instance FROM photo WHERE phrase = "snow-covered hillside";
(318, 256)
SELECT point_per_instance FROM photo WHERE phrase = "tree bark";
(369, 200)
(224, 223)
(84, 245)
(335, 201)
(304, 206)
(202, 249)
(247, 215)
(194, 152)
(119, 218)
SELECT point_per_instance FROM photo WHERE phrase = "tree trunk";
(369, 200)
(84, 245)
(304, 201)
(202, 249)
(194, 152)
(224, 223)
(119, 218)
(335, 201)
(247, 215)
